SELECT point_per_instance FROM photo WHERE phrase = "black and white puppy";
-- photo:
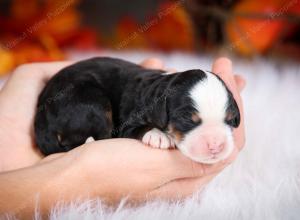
(104, 97)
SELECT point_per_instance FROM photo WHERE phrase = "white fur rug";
(264, 182)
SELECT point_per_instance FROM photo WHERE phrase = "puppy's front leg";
(158, 139)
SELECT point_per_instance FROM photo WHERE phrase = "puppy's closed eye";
(185, 121)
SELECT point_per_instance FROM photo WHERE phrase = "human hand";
(157, 167)
(236, 83)
(18, 101)
(151, 173)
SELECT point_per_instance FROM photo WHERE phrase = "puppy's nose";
(215, 146)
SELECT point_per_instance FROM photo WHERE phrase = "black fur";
(78, 101)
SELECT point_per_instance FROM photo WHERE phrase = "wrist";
(40, 188)
(65, 180)
(72, 178)
(97, 172)
(60, 182)
(88, 174)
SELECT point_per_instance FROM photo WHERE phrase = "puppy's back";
(72, 107)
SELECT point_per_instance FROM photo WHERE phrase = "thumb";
(240, 82)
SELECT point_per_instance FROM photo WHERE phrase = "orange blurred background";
(43, 30)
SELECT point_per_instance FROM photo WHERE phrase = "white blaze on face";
(211, 141)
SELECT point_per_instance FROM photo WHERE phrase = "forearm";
(15, 157)
(43, 185)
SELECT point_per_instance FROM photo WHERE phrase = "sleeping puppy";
(104, 98)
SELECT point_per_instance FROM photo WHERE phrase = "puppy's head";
(203, 118)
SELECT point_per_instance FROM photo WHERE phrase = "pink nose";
(215, 146)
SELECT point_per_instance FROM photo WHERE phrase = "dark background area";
(105, 14)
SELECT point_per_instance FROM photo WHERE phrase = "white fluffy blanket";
(264, 182)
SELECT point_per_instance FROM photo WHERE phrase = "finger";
(153, 63)
(50, 67)
(177, 166)
(27, 81)
(223, 68)
(166, 165)
(42, 70)
(170, 70)
(218, 167)
(240, 82)
(179, 189)
(48, 70)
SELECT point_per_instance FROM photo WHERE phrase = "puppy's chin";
(196, 149)
(204, 158)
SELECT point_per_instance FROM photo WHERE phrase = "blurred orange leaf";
(169, 29)
(254, 35)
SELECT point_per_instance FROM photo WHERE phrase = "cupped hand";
(138, 172)
(109, 168)
(18, 101)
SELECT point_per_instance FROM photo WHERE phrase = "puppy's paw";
(157, 139)
(89, 140)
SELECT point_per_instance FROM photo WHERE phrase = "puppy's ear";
(46, 138)
(159, 112)
(233, 117)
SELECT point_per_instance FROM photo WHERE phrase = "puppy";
(104, 98)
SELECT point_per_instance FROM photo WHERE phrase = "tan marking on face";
(177, 135)
(196, 118)
(108, 114)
